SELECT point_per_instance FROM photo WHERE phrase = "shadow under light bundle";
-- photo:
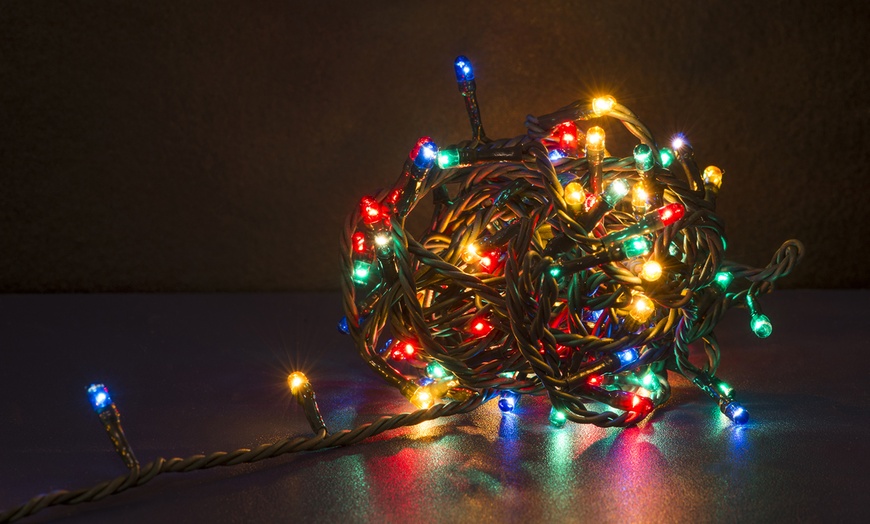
(550, 267)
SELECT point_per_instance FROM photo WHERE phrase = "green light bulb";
(643, 158)
(667, 156)
(650, 381)
(723, 279)
(555, 271)
(635, 247)
(448, 158)
(436, 371)
(557, 417)
(761, 326)
(615, 192)
(361, 271)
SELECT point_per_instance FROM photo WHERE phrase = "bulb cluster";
(550, 267)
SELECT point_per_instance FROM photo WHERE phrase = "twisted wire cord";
(140, 476)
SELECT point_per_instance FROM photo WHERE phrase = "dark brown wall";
(181, 145)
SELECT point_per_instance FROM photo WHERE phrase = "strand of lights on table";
(550, 268)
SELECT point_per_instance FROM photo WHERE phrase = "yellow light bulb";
(603, 105)
(296, 380)
(595, 139)
(641, 308)
(422, 398)
(470, 254)
(651, 271)
(575, 195)
(713, 176)
(639, 197)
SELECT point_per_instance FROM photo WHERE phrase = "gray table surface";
(202, 373)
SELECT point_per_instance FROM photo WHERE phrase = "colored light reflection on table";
(507, 463)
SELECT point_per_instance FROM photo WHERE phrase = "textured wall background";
(207, 146)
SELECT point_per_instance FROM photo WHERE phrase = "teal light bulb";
(635, 247)
(761, 326)
(448, 158)
(643, 157)
(436, 371)
(615, 192)
(667, 156)
(361, 271)
(723, 279)
(557, 417)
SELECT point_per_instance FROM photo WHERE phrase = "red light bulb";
(490, 261)
(566, 133)
(671, 213)
(359, 242)
(594, 380)
(591, 201)
(370, 210)
(480, 327)
(409, 349)
(394, 195)
(641, 405)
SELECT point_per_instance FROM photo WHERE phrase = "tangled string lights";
(549, 268)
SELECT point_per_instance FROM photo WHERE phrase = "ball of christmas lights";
(537, 276)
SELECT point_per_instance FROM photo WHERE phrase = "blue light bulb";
(383, 349)
(626, 356)
(343, 327)
(464, 73)
(556, 154)
(99, 396)
(507, 401)
(426, 155)
(593, 315)
(736, 413)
